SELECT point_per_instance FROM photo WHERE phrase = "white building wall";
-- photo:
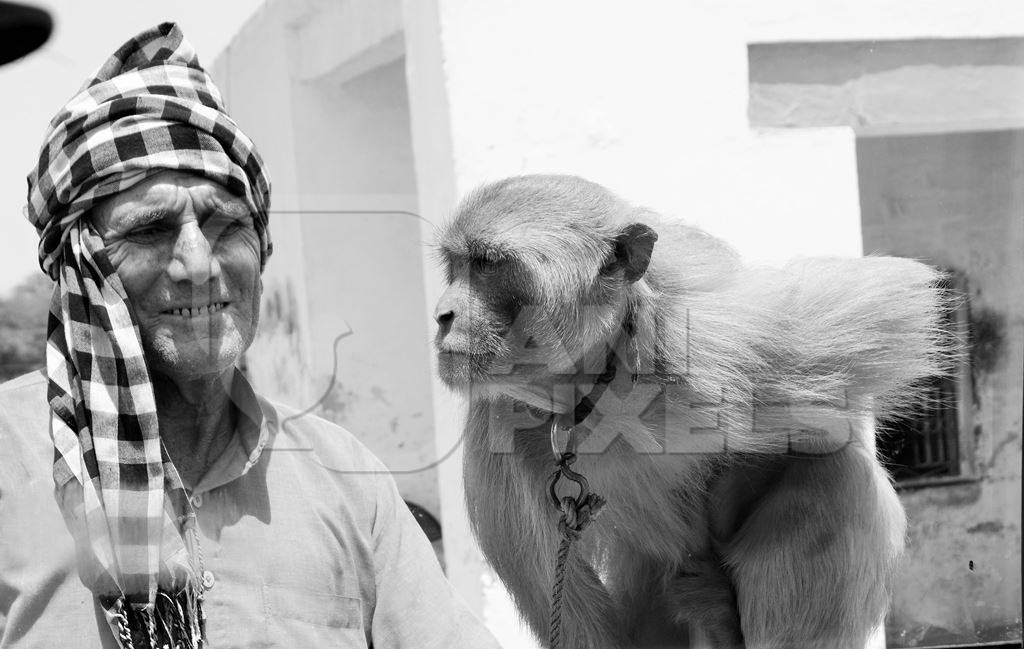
(344, 288)
(651, 102)
(255, 80)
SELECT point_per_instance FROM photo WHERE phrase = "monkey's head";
(540, 270)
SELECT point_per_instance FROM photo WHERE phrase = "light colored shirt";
(304, 532)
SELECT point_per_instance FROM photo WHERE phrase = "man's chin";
(191, 360)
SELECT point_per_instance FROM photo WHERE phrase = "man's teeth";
(209, 309)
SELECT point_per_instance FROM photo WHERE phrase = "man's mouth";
(195, 311)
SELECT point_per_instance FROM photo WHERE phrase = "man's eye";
(146, 233)
(225, 226)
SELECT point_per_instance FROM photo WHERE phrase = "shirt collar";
(251, 435)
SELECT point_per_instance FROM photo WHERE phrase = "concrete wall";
(363, 260)
(254, 78)
(344, 287)
(957, 201)
(934, 84)
(951, 194)
(651, 102)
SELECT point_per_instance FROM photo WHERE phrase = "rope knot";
(576, 514)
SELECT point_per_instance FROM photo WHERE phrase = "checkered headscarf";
(149, 108)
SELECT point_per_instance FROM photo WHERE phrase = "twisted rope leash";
(555, 631)
(576, 514)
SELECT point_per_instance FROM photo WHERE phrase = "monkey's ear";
(633, 248)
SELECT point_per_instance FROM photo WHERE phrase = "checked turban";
(150, 107)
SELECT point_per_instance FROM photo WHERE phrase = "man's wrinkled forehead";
(165, 195)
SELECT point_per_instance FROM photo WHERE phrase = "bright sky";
(35, 87)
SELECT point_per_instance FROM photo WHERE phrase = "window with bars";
(925, 444)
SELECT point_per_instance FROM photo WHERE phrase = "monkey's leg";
(813, 562)
(702, 595)
(640, 584)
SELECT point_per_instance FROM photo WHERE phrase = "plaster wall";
(631, 100)
(344, 287)
(956, 200)
(878, 86)
(652, 101)
(254, 78)
(363, 248)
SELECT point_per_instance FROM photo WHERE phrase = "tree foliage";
(23, 326)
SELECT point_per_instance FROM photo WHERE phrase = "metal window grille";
(925, 443)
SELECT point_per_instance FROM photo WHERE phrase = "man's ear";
(633, 247)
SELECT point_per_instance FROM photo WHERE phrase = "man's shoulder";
(332, 446)
(24, 398)
(16, 388)
(24, 429)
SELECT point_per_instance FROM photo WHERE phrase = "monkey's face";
(483, 333)
(507, 320)
(539, 269)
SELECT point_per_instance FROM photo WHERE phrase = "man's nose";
(193, 260)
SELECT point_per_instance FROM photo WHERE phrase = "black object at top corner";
(23, 29)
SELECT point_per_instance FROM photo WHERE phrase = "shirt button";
(208, 580)
(197, 500)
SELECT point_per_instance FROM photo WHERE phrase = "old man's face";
(188, 255)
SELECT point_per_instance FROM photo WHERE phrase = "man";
(148, 497)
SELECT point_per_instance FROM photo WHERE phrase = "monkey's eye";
(484, 266)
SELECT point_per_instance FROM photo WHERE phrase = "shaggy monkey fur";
(779, 527)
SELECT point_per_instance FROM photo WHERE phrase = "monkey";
(731, 435)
